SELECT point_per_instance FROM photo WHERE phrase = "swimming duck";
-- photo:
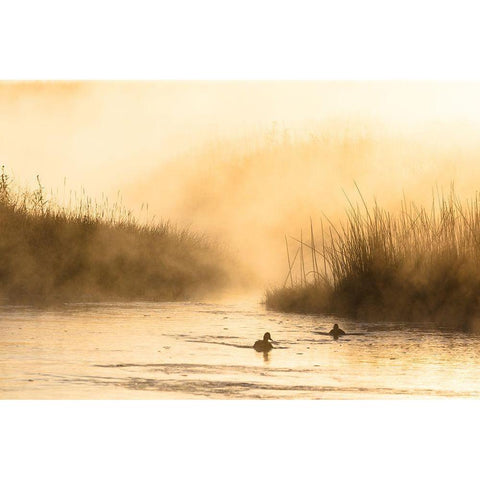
(263, 345)
(336, 331)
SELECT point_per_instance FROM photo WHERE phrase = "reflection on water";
(204, 350)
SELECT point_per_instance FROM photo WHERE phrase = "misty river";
(189, 350)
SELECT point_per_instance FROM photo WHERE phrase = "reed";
(418, 264)
(88, 250)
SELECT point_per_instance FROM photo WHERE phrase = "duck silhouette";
(336, 331)
(263, 345)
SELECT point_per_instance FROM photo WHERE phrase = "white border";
(251, 39)
(230, 439)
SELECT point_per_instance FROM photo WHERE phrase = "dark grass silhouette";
(417, 265)
(95, 252)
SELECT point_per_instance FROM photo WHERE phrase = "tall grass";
(418, 264)
(250, 189)
(95, 251)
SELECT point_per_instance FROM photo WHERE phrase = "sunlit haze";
(244, 162)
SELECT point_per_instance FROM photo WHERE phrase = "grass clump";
(416, 265)
(96, 252)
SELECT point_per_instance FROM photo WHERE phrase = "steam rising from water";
(245, 161)
(253, 191)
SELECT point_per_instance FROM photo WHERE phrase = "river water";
(190, 350)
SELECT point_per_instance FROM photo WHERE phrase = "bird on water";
(336, 331)
(263, 345)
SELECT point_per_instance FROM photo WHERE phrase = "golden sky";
(103, 134)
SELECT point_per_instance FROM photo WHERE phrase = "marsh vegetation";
(97, 251)
(417, 264)
(408, 260)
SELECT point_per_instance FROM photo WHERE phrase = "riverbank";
(91, 252)
(414, 265)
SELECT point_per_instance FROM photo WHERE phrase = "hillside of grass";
(415, 265)
(91, 252)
